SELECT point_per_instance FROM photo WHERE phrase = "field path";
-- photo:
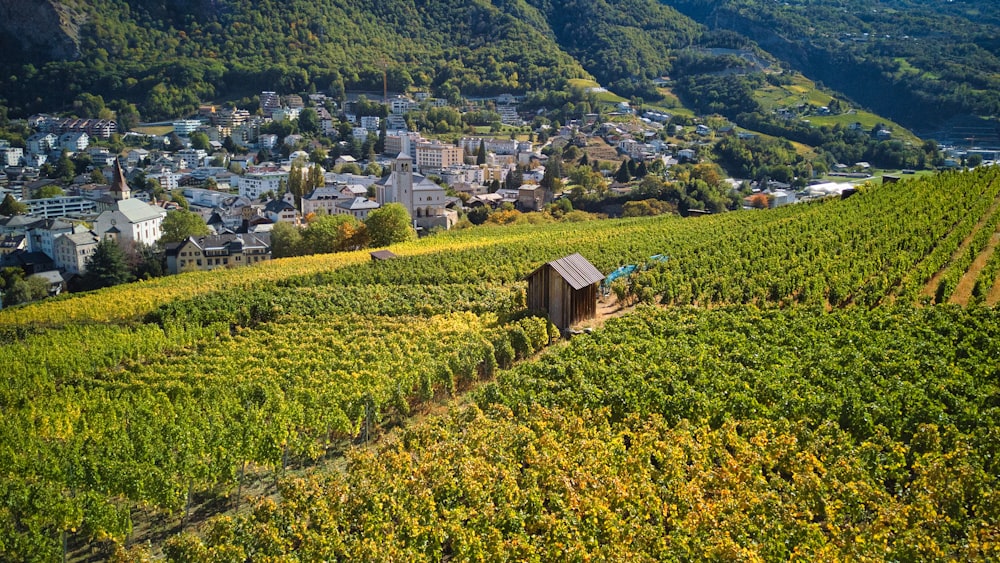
(963, 292)
(930, 288)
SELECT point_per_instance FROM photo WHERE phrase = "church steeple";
(403, 167)
(119, 187)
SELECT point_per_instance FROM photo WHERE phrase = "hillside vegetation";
(168, 56)
(799, 390)
(918, 62)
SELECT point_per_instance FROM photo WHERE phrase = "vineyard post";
(187, 505)
(239, 487)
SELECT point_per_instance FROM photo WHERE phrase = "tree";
(88, 105)
(309, 121)
(286, 240)
(329, 233)
(552, 179)
(107, 266)
(65, 169)
(389, 225)
(127, 117)
(481, 153)
(49, 191)
(623, 176)
(97, 177)
(478, 215)
(514, 179)
(146, 261)
(11, 206)
(177, 196)
(19, 289)
(81, 162)
(348, 168)
(180, 224)
(647, 208)
(200, 141)
(760, 201)
(318, 156)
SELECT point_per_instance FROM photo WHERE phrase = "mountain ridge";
(168, 56)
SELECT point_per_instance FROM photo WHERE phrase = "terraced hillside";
(793, 387)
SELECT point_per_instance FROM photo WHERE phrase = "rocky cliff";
(41, 30)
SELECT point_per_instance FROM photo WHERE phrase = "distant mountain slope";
(166, 55)
(619, 41)
(919, 62)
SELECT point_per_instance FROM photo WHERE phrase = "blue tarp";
(620, 272)
(625, 271)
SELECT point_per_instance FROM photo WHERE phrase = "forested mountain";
(919, 62)
(167, 55)
(620, 43)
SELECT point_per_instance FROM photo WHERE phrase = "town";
(228, 187)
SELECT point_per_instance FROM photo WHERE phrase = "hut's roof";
(382, 255)
(576, 270)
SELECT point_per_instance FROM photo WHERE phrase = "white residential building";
(191, 158)
(497, 146)
(435, 156)
(267, 141)
(74, 142)
(11, 156)
(71, 251)
(254, 183)
(135, 157)
(402, 142)
(168, 179)
(63, 206)
(42, 143)
(285, 114)
(42, 235)
(185, 127)
(358, 207)
(370, 122)
(322, 200)
(400, 105)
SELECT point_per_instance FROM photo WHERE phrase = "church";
(125, 219)
(426, 201)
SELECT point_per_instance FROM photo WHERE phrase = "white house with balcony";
(42, 143)
(185, 127)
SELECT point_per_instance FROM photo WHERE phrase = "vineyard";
(796, 387)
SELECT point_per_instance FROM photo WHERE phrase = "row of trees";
(387, 225)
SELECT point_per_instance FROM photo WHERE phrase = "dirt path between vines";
(963, 291)
(930, 288)
(993, 297)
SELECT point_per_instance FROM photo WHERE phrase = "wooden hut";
(379, 255)
(566, 288)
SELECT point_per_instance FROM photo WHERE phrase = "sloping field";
(123, 403)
